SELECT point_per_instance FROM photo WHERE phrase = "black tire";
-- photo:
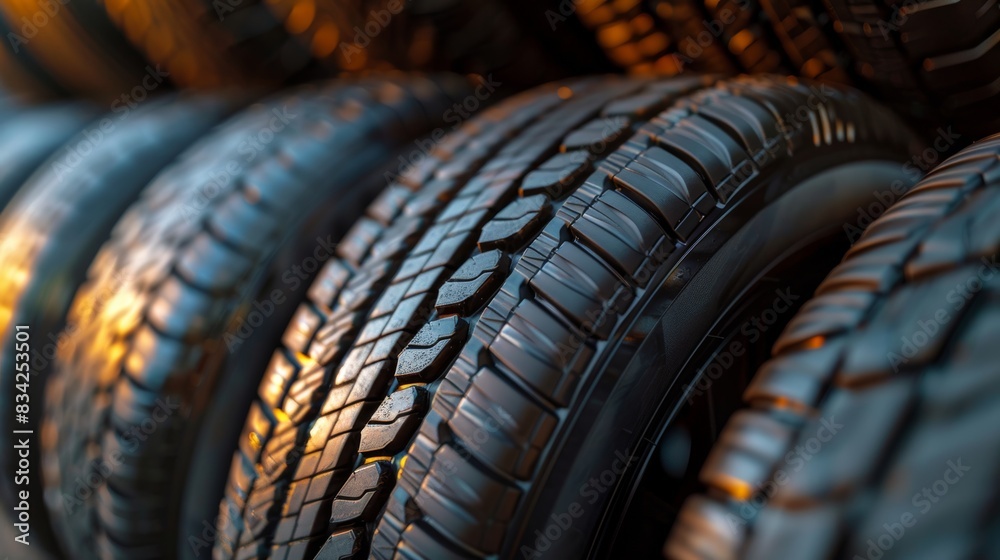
(253, 41)
(666, 36)
(890, 371)
(28, 135)
(49, 234)
(206, 43)
(373, 314)
(469, 36)
(71, 48)
(159, 322)
(938, 61)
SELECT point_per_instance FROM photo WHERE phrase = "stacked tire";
(934, 61)
(417, 404)
(714, 308)
(866, 435)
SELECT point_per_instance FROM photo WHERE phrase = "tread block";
(621, 232)
(973, 231)
(430, 351)
(641, 105)
(823, 317)
(744, 119)
(364, 493)
(301, 329)
(855, 426)
(705, 529)
(553, 374)
(242, 223)
(665, 186)
(750, 447)
(515, 224)
(475, 506)
(154, 357)
(471, 286)
(596, 135)
(796, 380)
(808, 533)
(910, 329)
(331, 280)
(495, 421)
(179, 309)
(212, 266)
(581, 286)
(348, 544)
(553, 177)
(709, 150)
(394, 422)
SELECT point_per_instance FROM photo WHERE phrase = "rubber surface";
(28, 135)
(871, 432)
(784, 36)
(50, 232)
(937, 60)
(361, 364)
(169, 292)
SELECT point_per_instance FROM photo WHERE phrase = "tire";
(937, 61)
(209, 44)
(893, 412)
(667, 36)
(51, 231)
(71, 48)
(159, 320)
(479, 37)
(253, 41)
(529, 182)
(28, 135)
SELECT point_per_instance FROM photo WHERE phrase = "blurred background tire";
(63, 47)
(50, 233)
(668, 36)
(938, 61)
(871, 431)
(178, 309)
(206, 43)
(256, 355)
(29, 136)
(492, 302)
